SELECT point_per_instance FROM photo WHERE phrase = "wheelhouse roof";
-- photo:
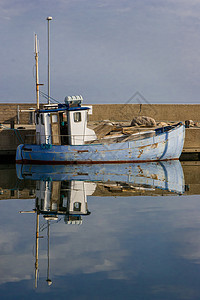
(61, 108)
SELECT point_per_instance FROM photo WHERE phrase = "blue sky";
(104, 50)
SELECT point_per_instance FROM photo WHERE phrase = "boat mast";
(37, 73)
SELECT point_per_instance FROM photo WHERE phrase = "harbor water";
(100, 232)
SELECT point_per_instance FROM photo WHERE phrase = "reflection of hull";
(166, 175)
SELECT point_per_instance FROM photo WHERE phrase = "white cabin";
(63, 124)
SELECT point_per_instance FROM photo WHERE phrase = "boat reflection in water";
(63, 190)
(74, 179)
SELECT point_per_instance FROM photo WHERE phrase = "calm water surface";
(115, 242)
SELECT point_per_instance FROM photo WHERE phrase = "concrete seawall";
(20, 113)
(160, 112)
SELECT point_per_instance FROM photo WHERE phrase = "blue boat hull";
(165, 145)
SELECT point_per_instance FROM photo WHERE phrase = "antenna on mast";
(48, 29)
(37, 72)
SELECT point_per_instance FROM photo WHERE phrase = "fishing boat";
(63, 137)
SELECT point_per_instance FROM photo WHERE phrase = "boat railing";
(30, 139)
(63, 139)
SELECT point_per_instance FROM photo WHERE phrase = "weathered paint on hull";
(166, 175)
(163, 146)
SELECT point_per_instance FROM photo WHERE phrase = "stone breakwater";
(20, 112)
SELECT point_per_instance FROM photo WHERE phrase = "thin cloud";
(11, 8)
(179, 8)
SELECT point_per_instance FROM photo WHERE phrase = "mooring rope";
(16, 131)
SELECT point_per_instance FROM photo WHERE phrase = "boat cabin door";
(55, 129)
(77, 121)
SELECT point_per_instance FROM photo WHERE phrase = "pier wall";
(19, 113)
(117, 112)
(160, 112)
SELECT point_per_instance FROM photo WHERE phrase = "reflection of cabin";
(67, 198)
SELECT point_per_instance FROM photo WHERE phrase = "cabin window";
(77, 206)
(54, 118)
(42, 119)
(77, 117)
